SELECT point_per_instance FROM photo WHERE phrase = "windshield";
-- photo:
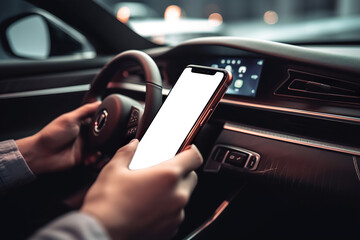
(305, 21)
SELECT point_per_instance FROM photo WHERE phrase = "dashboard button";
(134, 117)
(252, 162)
(236, 158)
(225, 155)
(219, 154)
(131, 132)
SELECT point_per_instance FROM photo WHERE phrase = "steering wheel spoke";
(133, 123)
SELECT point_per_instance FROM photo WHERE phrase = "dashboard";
(289, 124)
(269, 86)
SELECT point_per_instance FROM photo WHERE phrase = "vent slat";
(306, 85)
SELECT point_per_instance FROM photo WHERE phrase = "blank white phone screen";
(175, 119)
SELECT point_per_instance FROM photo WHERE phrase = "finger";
(85, 111)
(125, 154)
(188, 184)
(187, 160)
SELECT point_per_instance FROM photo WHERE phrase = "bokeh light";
(123, 14)
(215, 19)
(172, 13)
(271, 17)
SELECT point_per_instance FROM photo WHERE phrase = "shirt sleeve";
(74, 225)
(13, 169)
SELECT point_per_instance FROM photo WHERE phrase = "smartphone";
(186, 109)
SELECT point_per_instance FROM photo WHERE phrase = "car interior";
(281, 151)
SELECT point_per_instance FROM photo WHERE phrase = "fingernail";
(133, 140)
(194, 146)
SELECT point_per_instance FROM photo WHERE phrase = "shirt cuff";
(13, 169)
(73, 225)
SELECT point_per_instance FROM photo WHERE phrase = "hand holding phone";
(186, 109)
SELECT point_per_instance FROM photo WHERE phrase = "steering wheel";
(119, 118)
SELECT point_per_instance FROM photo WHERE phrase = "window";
(31, 33)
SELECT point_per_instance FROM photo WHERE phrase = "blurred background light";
(215, 19)
(123, 14)
(271, 17)
(172, 13)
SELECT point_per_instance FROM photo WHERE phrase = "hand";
(58, 146)
(143, 204)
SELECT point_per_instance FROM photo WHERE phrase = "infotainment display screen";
(246, 74)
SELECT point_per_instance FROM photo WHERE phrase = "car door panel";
(32, 94)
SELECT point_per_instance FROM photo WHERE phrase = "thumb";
(124, 155)
(85, 111)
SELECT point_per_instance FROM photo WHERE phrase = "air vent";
(306, 85)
